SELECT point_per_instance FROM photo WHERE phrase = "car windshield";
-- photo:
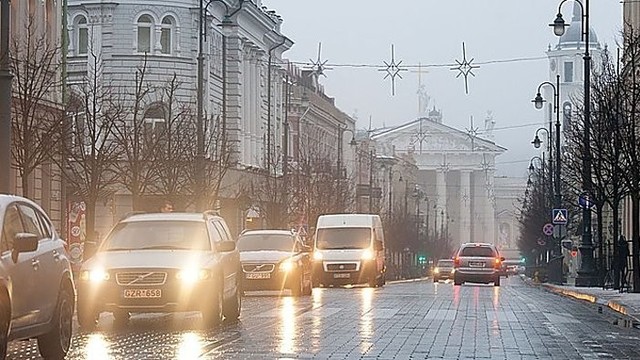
(158, 235)
(343, 238)
(481, 251)
(259, 242)
(445, 263)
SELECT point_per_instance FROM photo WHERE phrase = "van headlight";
(192, 275)
(95, 275)
(317, 255)
(287, 265)
(367, 255)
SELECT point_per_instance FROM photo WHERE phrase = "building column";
(490, 217)
(465, 206)
(441, 201)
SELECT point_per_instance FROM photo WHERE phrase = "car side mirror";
(23, 242)
(502, 258)
(226, 246)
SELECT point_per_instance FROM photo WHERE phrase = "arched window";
(167, 34)
(82, 36)
(145, 25)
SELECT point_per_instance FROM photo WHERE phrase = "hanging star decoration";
(472, 131)
(393, 70)
(319, 66)
(465, 68)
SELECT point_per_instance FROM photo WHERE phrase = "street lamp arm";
(538, 100)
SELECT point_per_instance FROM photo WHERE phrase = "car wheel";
(497, 281)
(381, 280)
(212, 313)
(308, 288)
(121, 317)
(232, 307)
(457, 281)
(297, 289)
(87, 316)
(435, 279)
(56, 343)
(5, 319)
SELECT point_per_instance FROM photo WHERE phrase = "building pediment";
(427, 136)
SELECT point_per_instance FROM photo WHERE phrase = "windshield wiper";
(162, 247)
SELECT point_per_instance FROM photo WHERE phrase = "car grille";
(141, 278)
(342, 267)
(258, 267)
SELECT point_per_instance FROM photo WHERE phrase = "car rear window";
(482, 251)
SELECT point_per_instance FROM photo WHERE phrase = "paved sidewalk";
(624, 303)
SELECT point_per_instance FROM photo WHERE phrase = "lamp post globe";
(538, 102)
(536, 142)
(558, 25)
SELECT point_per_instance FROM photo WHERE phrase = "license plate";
(142, 293)
(476, 264)
(341, 276)
(258, 276)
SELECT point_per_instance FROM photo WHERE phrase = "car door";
(230, 260)
(51, 255)
(24, 297)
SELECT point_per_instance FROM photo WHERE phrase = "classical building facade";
(455, 174)
(243, 71)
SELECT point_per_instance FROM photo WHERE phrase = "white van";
(349, 249)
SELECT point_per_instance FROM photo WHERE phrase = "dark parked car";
(275, 260)
(37, 292)
(165, 262)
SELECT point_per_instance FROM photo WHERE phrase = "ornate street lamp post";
(586, 274)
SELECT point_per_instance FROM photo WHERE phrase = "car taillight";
(456, 262)
(497, 263)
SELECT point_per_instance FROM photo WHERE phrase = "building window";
(145, 23)
(166, 35)
(568, 71)
(154, 123)
(82, 38)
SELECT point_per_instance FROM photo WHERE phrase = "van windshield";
(343, 238)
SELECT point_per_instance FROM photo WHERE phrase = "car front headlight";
(95, 275)
(367, 255)
(453, 270)
(287, 265)
(192, 275)
(436, 270)
(317, 255)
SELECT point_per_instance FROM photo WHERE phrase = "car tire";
(457, 281)
(308, 288)
(435, 279)
(382, 280)
(212, 313)
(5, 320)
(497, 281)
(55, 344)
(121, 317)
(87, 316)
(231, 309)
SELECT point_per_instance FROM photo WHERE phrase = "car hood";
(341, 255)
(147, 259)
(264, 255)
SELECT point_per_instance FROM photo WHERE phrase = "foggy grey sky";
(431, 32)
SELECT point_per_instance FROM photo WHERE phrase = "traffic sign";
(585, 201)
(547, 229)
(559, 216)
(559, 231)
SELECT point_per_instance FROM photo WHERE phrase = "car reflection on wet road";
(412, 319)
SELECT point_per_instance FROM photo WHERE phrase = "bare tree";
(36, 117)
(94, 111)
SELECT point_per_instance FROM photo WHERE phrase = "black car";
(275, 260)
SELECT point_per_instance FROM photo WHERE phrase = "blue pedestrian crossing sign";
(559, 216)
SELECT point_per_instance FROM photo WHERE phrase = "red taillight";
(456, 262)
(497, 263)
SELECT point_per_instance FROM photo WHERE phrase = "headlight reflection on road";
(316, 319)
(366, 320)
(287, 326)
(97, 347)
(190, 346)
(496, 297)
